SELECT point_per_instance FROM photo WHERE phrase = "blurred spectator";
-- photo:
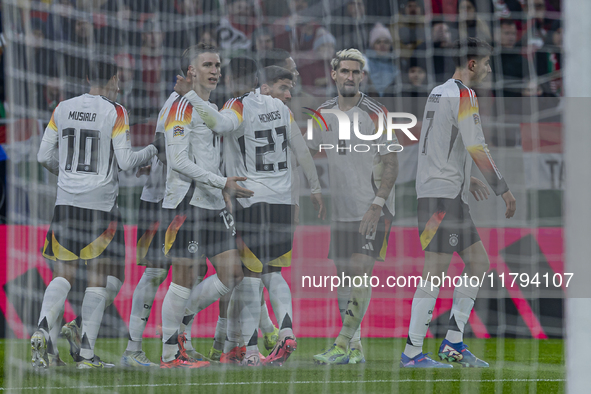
(351, 29)
(188, 7)
(549, 61)
(417, 78)
(53, 93)
(440, 64)
(76, 59)
(126, 65)
(118, 33)
(184, 24)
(262, 40)
(382, 71)
(536, 25)
(298, 31)
(410, 32)
(207, 37)
(415, 87)
(151, 67)
(381, 8)
(316, 79)
(505, 9)
(45, 61)
(470, 24)
(509, 65)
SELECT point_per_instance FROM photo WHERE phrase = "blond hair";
(347, 54)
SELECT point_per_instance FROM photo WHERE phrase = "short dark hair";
(101, 69)
(272, 74)
(275, 57)
(470, 48)
(191, 54)
(507, 22)
(244, 69)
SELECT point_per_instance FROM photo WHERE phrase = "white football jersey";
(155, 186)
(184, 129)
(451, 129)
(87, 130)
(258, 149)
(354, 175)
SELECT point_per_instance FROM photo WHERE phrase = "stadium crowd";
(407, 43)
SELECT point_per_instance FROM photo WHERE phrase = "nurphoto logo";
(345, 129)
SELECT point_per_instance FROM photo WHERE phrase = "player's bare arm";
(372, 216)
(510, 203)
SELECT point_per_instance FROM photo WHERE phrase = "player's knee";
(231, 278)
(156, 275)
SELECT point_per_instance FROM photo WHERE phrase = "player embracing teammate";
(85, 143)
(259, 136)
(203, 210)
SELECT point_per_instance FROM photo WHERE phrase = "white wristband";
(379, 201)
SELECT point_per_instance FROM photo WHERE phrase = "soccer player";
(199, 224)
(85, 143)
(255, 125)
(362, 209)
(150, 242)
(451, 130)
(282, 58)
(277, 82)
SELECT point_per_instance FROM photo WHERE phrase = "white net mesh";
(517, 326)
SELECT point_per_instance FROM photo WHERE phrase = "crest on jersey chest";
(178, 131)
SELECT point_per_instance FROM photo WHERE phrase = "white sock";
(220, 333)
(463, 303)
(54, 333)
(233, 332)
(54, 300)
(141, 305)
(173, 307)
(113, 287)
(265, 324)
(355, 342)
(356, 308)
(280, 296)
(205, 294)
(248, 295)
(421, 314)
(187, 322)
(343, 294)
(93, 308)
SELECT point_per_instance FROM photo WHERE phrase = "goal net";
(517, 324)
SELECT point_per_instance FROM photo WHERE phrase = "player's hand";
(369, 223)
(319, 205)
(183, 84)
(478, 189)
(143, 171)
(234, 189)
(510, 203)
(228, 201)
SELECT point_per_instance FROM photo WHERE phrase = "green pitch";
(517, 366)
